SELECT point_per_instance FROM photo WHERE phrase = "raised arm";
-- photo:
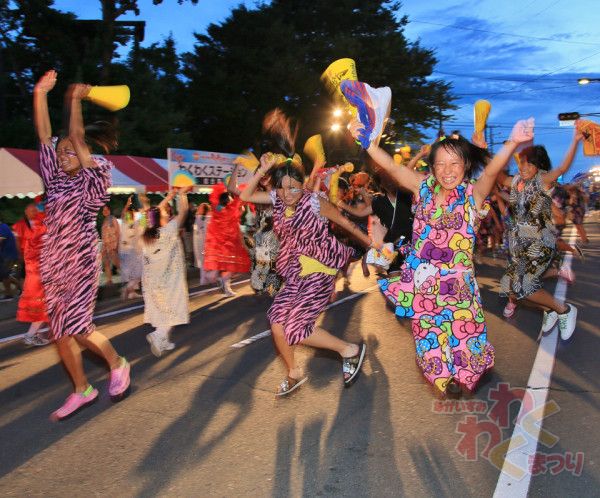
(423, 151)
(73, 98)
(551, 176)
(41, 116)
(168, 198)
(330, 212)
(249, 194)
(404, 177)
(521, 133)
(359, 212)
(182, 206)
(317, 166)
(232, 186)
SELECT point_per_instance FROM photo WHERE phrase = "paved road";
(203, 420)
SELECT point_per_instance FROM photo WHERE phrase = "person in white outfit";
(164, 280)
(130, 252)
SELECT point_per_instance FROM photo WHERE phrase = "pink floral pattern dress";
(437, 289)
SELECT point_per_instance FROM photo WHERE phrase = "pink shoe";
(509, 309)
(74, 403)
(119, 381)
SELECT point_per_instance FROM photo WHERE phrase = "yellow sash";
(311, 265)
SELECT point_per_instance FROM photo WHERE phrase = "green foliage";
(215, 97)
(274, 56)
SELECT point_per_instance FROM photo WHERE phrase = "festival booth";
(19, 174)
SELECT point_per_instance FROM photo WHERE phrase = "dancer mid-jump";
(76, 185)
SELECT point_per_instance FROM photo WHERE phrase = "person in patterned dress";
(532, 237)
(309, 257)
(261, 242)
(436, 287)
(164, 281)
(76, 186)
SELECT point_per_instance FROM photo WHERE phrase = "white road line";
(267, 333)
(122, 310)
(515, 476)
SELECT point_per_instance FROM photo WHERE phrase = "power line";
(471, 76)
(546, 74)
(505, 34)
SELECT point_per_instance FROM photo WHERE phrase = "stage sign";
(207, 168)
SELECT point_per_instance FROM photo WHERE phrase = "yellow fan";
(313, 148)
(247, 160)
(481, 111)
(341, 69)
(112, 98)
(333, 185)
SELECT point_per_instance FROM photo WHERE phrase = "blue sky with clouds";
(524, 56)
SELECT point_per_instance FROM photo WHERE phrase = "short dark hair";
(538, 156)
(474, 157)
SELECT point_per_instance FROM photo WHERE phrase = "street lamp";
(587, 81)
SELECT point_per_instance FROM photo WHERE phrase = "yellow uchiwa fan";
(481, 111)
(313, 149)
(247, 160)
(341, 69)
(113, 98)
(183, 178)
(333, 185)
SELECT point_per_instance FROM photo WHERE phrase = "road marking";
(267, 333)
(524, 440)
(122, 310)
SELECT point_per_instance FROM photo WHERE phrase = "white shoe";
(567, 322)
(35, 340)
(155, 344)
(549, 321)
(168, 345)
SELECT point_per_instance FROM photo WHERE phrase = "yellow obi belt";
(310, 265)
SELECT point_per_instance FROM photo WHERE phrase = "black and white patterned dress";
(532, 237)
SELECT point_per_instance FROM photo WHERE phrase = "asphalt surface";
(203, 420)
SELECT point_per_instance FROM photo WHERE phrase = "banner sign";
(208, 168)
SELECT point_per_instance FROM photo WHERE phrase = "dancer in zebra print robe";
(308, 260)
(76, 185)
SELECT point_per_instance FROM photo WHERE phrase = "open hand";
(523, 131)
(355, 127)
(46, 82)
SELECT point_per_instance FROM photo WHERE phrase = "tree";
(274, 55)
(154, 118)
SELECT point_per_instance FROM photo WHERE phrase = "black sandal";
(351, 366)
(289, 385)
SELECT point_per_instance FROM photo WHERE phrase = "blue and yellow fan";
(183, 178)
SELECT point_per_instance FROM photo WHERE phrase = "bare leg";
(320, 338)
(545, 299)
(71, 357)
(285, 351)
(582, 233)
(34, 328)
(100, 345)
(107, 268)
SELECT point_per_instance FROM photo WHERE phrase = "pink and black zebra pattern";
(69, 259)
(297, 306)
